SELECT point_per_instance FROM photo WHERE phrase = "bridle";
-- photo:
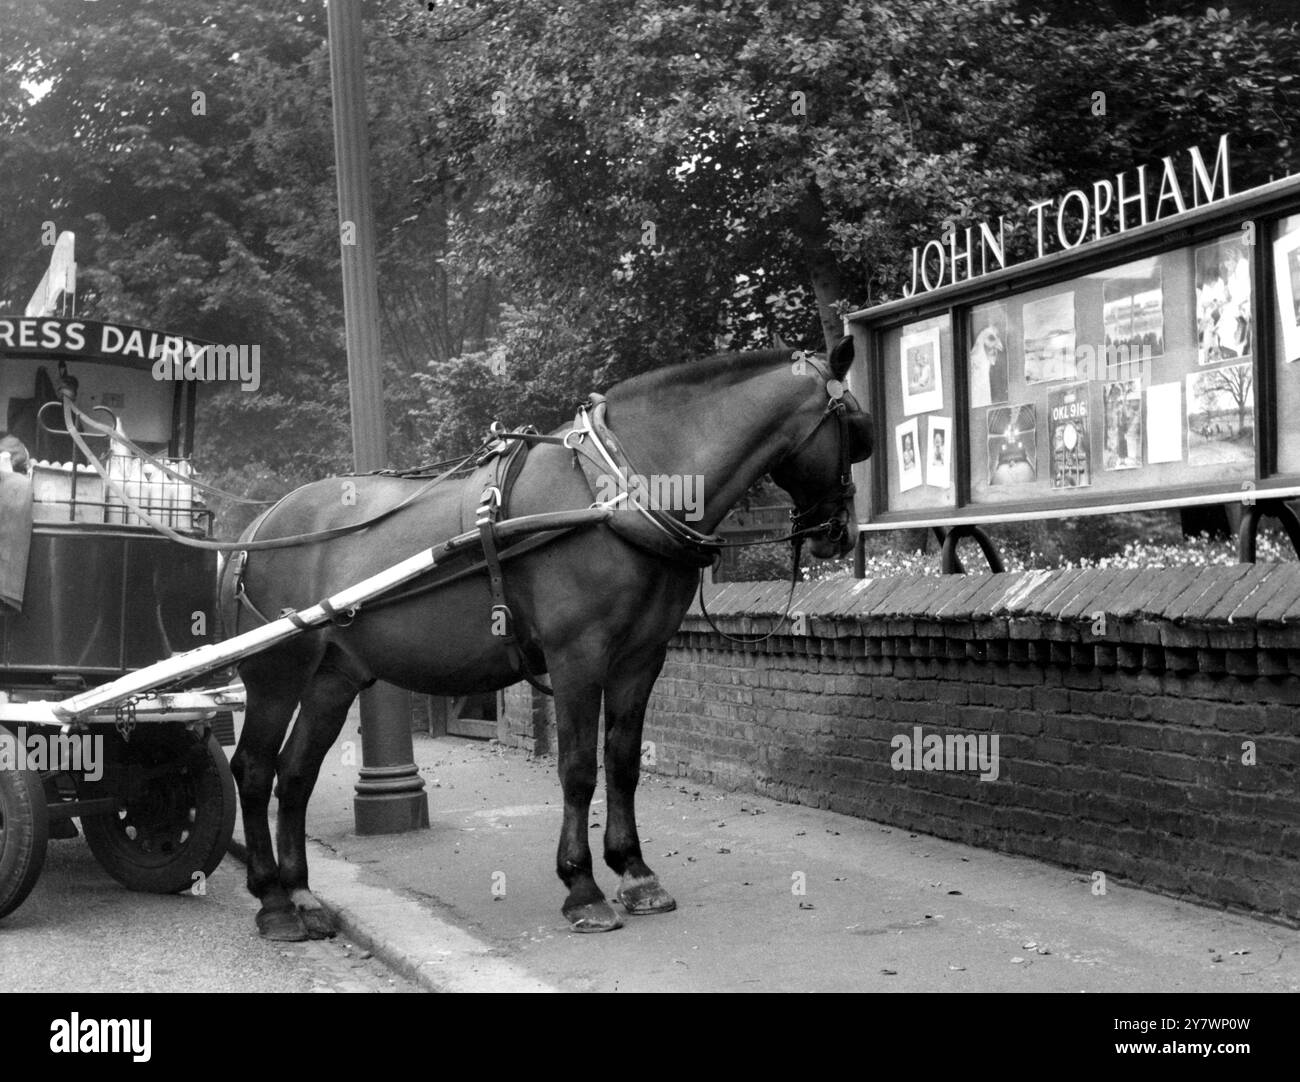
(838, 399)
(841, 491)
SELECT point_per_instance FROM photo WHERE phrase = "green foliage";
(661, 179)
(569, 194)
(217, 216)
(666, 177)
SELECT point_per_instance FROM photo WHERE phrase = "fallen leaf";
(890, 972)
(954, 892)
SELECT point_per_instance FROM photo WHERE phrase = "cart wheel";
(175, 808)
(24, 832)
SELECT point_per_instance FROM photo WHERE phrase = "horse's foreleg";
(626, 697)
(269, 710)
(324, 709)
(577, 720)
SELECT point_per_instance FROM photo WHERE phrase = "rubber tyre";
(170, 825)
(24, 835)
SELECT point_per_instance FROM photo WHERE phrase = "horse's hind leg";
(325, 704)
(577, 720)
(625, 703)
(273, 683)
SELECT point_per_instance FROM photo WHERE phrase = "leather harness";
(599, 454)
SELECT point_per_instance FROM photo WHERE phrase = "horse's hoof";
(642, 897)
(318, 922)
(593, 917)
(281, 925)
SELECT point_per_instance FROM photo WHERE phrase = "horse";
(594, 608)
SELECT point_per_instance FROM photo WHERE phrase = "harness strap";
(670, 538)
(489, 509)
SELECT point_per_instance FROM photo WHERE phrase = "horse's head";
(830, 432)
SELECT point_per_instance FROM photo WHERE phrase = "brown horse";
(592, 608)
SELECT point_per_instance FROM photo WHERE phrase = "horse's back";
(300, 574)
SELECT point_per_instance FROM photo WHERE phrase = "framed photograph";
(1012, 444)
(907, 446)
(1069, 436)
(1165, 422)
(1133, 319)
(1121, 438)
(1223, 301)
(1221, 416)
(988, 355)
(922, 379)
(1049, 339)
(1286, 269)
(938, 452)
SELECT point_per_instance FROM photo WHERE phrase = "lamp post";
(390, 796)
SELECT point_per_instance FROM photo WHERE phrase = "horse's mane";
(721, 366)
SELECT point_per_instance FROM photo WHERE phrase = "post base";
(398, 814)
(390, 800)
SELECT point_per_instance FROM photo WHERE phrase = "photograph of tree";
(1013, 444)
(1122, 431)
(988, 355)
(1223, 305)
(1221, 416)
(1049, 339)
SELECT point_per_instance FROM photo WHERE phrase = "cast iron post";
(390, 795)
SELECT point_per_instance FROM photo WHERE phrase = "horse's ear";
(777, 341)
(841, 357)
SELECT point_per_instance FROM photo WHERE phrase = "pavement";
(771, 897)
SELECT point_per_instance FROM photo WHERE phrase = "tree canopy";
(569, 192)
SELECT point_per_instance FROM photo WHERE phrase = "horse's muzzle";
(837, 539)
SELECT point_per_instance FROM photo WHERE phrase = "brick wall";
(1146, 722)
(526, 719)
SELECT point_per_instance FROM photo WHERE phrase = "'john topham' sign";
(48, 337)
(1112, 207)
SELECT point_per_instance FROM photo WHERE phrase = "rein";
(842, 491)
(70, 412)
(593, 445)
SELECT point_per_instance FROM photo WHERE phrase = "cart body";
(102, 595)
